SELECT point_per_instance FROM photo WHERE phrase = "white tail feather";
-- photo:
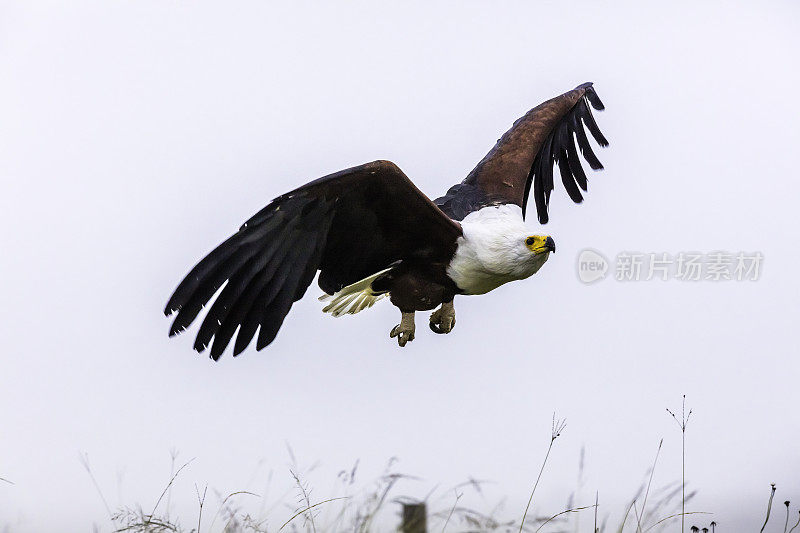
(353, 298)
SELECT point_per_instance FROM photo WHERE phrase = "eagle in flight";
(370, 232)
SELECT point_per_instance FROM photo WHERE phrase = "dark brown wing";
(525, 154)
(348, 225)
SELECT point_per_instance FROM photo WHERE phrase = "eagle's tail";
(353, 298)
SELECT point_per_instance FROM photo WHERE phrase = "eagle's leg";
(404, 331)
(443, 320)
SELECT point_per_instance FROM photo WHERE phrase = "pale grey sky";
(135, 136)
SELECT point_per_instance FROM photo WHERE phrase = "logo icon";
(592, 266)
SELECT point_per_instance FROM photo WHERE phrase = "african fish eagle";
(370, 232)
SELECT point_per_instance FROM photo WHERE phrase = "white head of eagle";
(496, 248)
(371, 233)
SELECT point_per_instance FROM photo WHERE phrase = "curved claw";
(443, 320)
(440, 328)
(404, 331)
(403, 336)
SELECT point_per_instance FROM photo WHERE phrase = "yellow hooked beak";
(540, 244)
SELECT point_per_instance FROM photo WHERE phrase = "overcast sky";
(135, 136)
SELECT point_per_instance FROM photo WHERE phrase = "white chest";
(492, 251)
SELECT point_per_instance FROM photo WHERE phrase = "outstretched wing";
(348, 225)
(525, 154)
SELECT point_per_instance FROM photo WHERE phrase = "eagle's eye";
(529, 241)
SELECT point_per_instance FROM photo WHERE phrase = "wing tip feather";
(572, 173)
(591, 95)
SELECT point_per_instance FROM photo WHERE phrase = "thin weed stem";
(786, 524)
(682, 424)
(625, 517)
(173, 453)
(556, 429)
(171, 481)
(596, 502)
(392, 479)
(201, 502)
(452, 509)
(84, 457)
(301, 511)
(573, 510)
(306, 498)
(769, 506)
(649, 482)
(222, 505)
(797, 523)
(671, 517)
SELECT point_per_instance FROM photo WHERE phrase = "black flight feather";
(273, 315)
(243, 304)
(542, 180)
(560, 148)
(267, 257)
(271, 276)
(574, 161)
(591, 95)
(567, 178)
(209, 274)
(584, 146)
(302, 256)
(208, 286)
(585, 113)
